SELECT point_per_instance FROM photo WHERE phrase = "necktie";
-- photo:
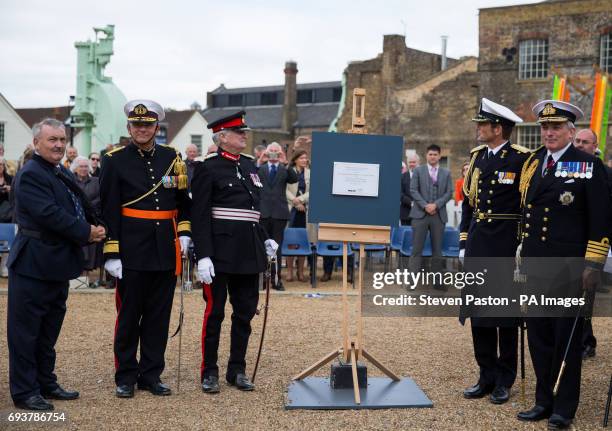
(434, 175)
(77, 205)
(272, 173)
(550, 162)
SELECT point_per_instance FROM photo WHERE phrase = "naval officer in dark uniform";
(231, 247)
(489, 228)
(566, 213)
(143, 188)
(55, 221)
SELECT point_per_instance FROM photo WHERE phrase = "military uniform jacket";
(220, 187)
(127, 174)
(490, 215)
(566, 215)
(44, 206)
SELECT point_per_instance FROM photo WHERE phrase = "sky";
(175, 51)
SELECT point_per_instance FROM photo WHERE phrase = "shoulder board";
(478, 148)
(248, 156)
(541, 147)
(210, 156)
(520, 148)
(170, 147)
(110, 153)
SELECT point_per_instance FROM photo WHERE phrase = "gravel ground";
(435, 352)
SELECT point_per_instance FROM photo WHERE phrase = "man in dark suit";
(54, 223)
(489, 228)
(431, 189)
(405, 199)
(275, 176)
(566, 213)
(143, 189)
(231, 246)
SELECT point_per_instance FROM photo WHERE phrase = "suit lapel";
(549, 178)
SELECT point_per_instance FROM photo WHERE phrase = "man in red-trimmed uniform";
(231, 247)
(143, 187)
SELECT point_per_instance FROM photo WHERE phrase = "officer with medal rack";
(231, 246)
(143, 189)
(489, 228)
(566, 213)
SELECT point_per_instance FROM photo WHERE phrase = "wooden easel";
(352, 348)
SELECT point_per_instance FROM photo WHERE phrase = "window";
(235, 100)
(269, 98)
(533, 59)
(197, 141)
(529, 136)
(162, 135)
(304, 96)
(337, 94)
(1, 133)
(605, 53)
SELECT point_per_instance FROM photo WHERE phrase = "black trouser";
(244, 294)
(496, 369)
(144, 303)
(588, 338)
(328, 264)
(276, 230)
(35, 313)
(548, 338)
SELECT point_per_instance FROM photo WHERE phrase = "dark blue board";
(327, 148)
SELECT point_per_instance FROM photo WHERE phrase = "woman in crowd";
(91, 187)
(6, 208)
(297, 199)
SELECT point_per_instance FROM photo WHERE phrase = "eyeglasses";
(95, 158)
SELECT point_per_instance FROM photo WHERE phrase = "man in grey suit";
(431, 189)
(275, 176)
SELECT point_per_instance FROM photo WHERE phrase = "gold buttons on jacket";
(543, 238)
(529, 206)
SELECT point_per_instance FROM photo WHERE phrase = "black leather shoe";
(588, 352)
(278, 286)
(242, 382)
(35, 402)
(210, 385)
(125, 391)
(60, 394)
(537, 413)
(500, 395)
(156, 388)
(326, 277)
(477, 391)
(558, 422)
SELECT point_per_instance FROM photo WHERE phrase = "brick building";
(279, 112)
(409, 95)
(522, 47)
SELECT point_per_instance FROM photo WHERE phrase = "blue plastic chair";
(427, 251)
(7, 236)
(450, 244)
(397, 236)
(295, 242)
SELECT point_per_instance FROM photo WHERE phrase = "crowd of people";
(140, 210)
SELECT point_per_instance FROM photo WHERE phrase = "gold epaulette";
(520, 148)
(114, 150)
(248, 156)
(478, 148)
(210, 156)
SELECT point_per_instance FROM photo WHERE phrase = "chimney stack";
(443, 62)
(290, 101)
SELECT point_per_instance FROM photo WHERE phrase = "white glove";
(206, 270)
(271, 247)
(461, 255)
(185, 242)
(114, 268)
